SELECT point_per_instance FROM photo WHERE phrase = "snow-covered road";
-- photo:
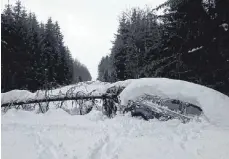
(58, 135)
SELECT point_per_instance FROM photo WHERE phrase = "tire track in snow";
(46, 149)
(97, 150)
(108, 147)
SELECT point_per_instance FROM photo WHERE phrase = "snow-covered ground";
(58, 135)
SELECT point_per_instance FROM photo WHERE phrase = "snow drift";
(215, 105)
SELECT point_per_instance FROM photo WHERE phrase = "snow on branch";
(225, 26)
(195, 49)
(78, 97)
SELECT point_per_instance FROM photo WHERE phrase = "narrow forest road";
(57, 135)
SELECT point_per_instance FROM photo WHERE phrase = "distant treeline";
(33, 54)
(190, 41)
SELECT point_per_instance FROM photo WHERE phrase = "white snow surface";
(15, 95)
(214, 104)
(58, 135)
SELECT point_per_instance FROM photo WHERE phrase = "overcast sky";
(88, 26)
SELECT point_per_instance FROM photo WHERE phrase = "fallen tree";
(109, 100)
(56, 99)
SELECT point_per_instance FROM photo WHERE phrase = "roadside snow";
(58, 135)
(215, 105)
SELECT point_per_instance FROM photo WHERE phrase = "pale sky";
(88, 26)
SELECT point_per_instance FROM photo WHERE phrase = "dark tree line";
(188, 42)
(33, 54)
(80, 72)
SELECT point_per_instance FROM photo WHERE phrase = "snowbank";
(94, 88)
(121, 83)
(16, 95)
(215, 105)
(57, 135)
